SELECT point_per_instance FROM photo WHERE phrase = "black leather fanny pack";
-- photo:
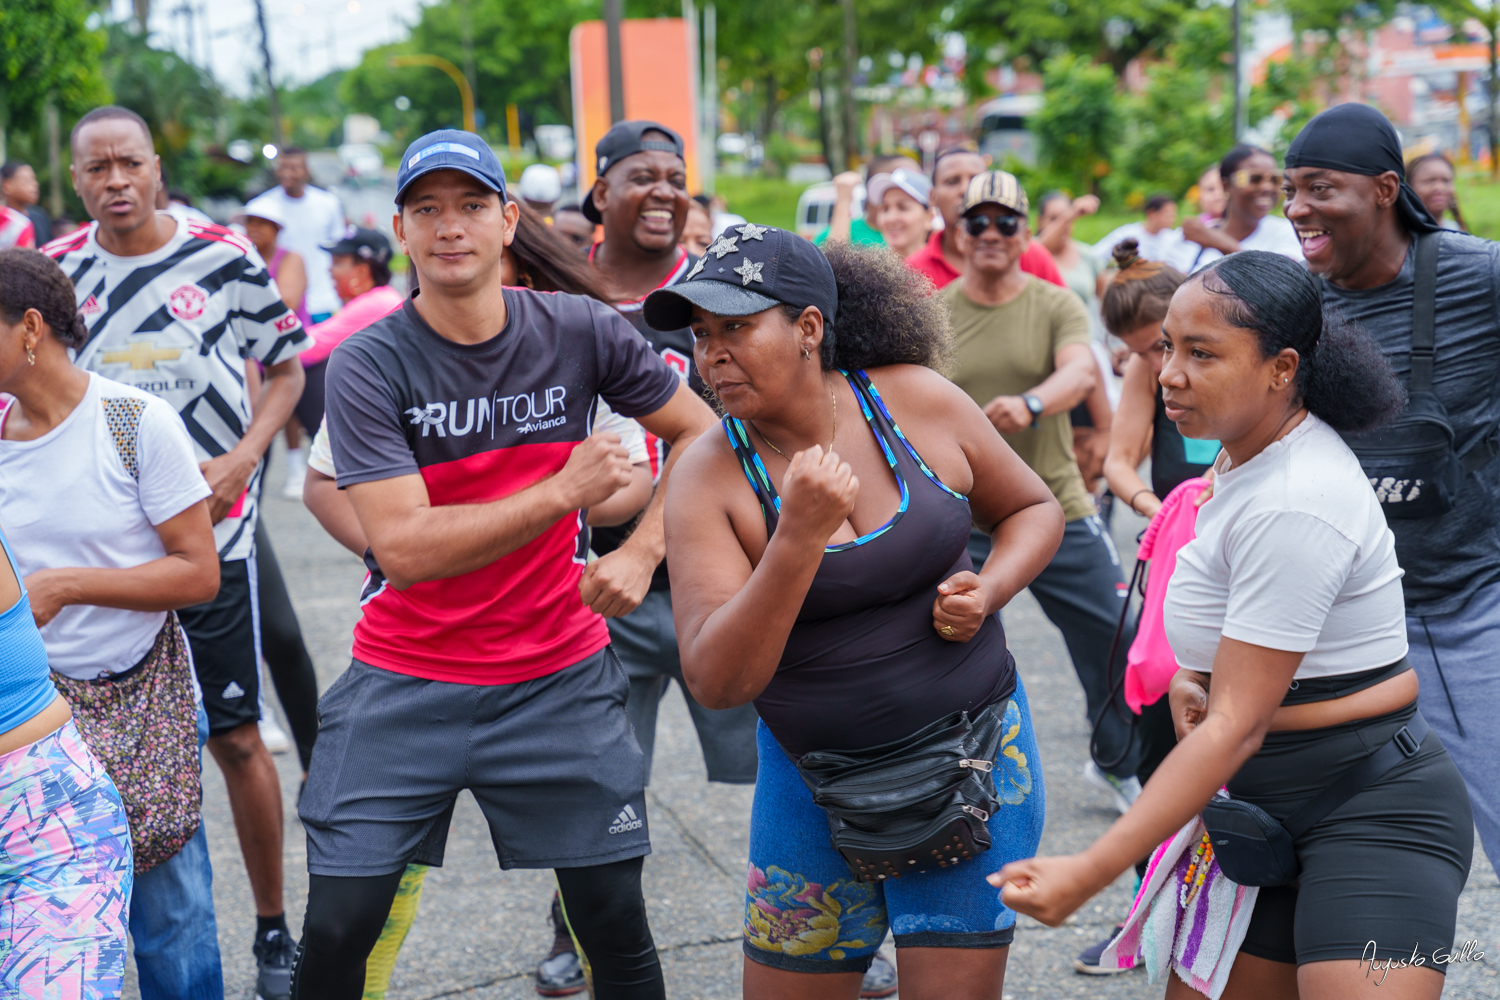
(1414, 465)
(1252, 848)
(914, 804)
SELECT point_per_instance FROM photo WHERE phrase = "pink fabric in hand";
(1150, 664)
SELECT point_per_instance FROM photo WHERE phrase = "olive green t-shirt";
(1011, 349)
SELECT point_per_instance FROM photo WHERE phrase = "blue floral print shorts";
(805, 912)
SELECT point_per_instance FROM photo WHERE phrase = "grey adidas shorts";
(551, 761)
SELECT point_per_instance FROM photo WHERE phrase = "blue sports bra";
(863, 664)
(25, 682)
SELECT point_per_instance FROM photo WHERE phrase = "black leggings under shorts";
(1385, 867)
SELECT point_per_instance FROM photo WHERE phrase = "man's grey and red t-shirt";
(481, 422)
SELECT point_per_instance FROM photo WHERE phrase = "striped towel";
(1197, 941)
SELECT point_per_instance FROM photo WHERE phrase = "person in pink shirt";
(362, 277)
(940, 258)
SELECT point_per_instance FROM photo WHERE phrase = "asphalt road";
(480, 931)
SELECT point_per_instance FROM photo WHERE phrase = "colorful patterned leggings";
(65, 873)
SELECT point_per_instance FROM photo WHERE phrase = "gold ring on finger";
(946, 630)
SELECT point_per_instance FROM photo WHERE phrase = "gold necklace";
(831, 395)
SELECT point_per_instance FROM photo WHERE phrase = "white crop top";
(1292, 553)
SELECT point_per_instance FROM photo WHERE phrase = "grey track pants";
(1081, 592)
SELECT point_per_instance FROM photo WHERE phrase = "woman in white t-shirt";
(1252, 187)
(103, 503)
(1289, 602)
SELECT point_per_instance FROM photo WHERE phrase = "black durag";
(1357, 139)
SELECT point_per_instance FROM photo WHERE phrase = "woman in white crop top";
(1287, 620)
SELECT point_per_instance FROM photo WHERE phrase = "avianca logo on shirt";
(532, 410)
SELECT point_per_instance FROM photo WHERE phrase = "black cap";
(366, 244)
(626, 139)
(747, 270)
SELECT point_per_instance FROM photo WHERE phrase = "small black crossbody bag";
(914, 804)
(1252, 848)
(1412, 464)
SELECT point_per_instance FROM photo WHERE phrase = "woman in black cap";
(819, 558)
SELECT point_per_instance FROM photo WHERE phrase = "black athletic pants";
(604, 903)
(286, 654)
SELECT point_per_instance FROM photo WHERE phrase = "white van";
(815, 207)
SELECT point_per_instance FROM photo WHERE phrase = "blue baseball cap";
(450, 149)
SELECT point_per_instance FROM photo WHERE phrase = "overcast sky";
(308, 37)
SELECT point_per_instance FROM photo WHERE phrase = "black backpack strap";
(1424, 312)
(1403, 746)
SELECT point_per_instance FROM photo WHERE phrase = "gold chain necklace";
(831, 395)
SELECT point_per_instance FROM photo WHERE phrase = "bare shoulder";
(703, 469)
(920, 391)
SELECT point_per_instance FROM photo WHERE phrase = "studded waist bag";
(914, 804)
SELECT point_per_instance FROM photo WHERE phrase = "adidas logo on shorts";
(233, 691)
(627, 820)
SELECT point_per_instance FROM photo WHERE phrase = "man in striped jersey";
(175, 307)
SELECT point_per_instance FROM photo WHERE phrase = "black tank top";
(1172, 454)
(863, 664)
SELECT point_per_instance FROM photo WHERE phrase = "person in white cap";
(905, 216)
(540, 187)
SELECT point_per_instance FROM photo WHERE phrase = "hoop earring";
(30, 356)
(806, 354)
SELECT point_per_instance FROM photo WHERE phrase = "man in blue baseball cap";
(460, 427)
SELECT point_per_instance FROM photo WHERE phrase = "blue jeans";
(172, 922)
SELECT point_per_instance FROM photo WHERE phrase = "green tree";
(520, 56)
(1080, 123)
(48, 52)
(1112, 32)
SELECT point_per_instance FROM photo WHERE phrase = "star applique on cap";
(696, 268)
(750, 271)
(722, 247)
(750, 231)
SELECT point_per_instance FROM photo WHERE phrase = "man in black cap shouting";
(460, 427)
(641, 198)
(1430, 298)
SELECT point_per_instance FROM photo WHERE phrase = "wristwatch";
(1034, 405)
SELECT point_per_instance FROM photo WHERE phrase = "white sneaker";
(273, 736)
(1123, 791)
(296, 474)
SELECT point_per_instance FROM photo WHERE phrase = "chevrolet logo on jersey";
(142, 355)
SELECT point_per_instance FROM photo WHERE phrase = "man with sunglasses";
(1252, 187)
(1022, 353)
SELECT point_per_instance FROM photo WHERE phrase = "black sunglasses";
(1008, 225)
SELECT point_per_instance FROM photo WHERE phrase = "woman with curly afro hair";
(819, 558)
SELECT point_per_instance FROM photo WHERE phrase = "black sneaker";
(560, 974)
(273, 964)
(880, 978)
(1088, 961)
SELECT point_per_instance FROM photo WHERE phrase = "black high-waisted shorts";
(1381, 874)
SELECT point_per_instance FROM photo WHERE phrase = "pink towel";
(1150, 664)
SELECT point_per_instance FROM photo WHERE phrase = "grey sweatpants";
(1082, 591)
(646, 644)
(1456, 658)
